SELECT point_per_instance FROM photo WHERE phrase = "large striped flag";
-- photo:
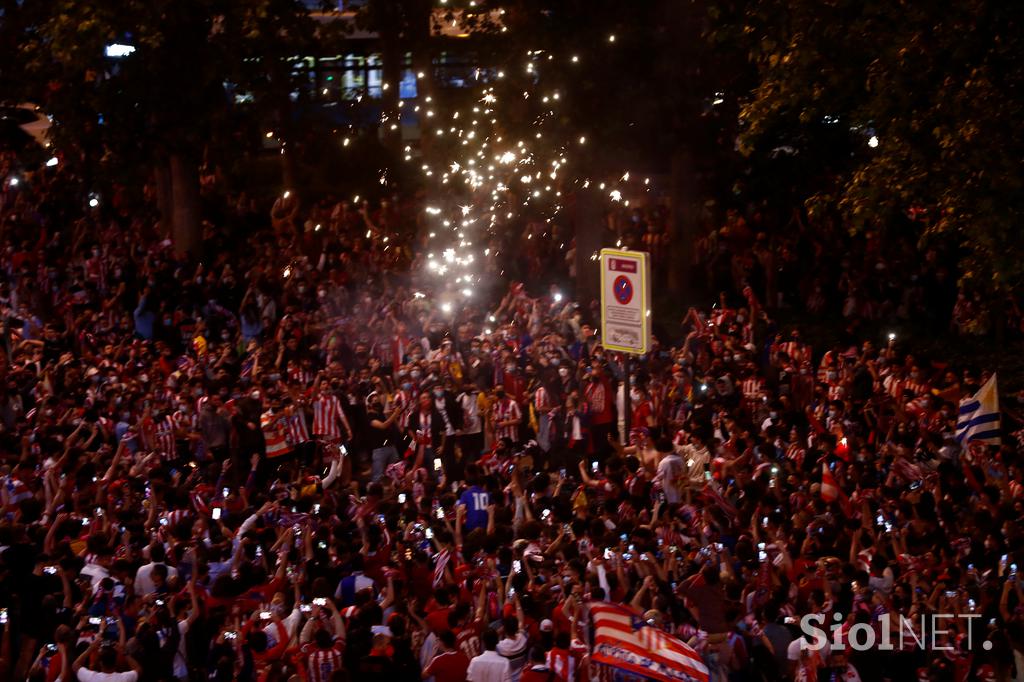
(979, 415)
(829, 488)
(831, 492)
(275, 429)
(712, 494)
(624, 643)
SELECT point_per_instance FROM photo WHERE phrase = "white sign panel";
(625, 301)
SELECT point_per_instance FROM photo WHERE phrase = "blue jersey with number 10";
(476, 500)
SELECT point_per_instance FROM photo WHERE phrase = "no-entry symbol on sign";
(625, 301)
(623, 289)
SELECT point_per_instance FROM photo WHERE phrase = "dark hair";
(257, 641)
(324, 639)
(447, 638)
(511, 625)
(108, 657)
(490, 639)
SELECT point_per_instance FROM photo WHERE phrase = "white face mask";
(563, 371)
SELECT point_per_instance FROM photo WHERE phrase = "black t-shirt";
(379, 438)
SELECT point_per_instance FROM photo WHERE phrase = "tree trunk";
(185, 192)
(683, 196)
(421, 14)
(588, 241)
(289, 176)
(393, 61)
(164, 197)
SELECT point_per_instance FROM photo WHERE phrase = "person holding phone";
(383, 436)
(102, 660)
(426, 430)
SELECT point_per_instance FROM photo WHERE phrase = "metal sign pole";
(627, 402)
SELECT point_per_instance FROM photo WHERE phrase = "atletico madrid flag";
(830, 491)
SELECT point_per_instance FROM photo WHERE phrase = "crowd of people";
(289, 461)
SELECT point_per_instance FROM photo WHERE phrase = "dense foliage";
(918, 107)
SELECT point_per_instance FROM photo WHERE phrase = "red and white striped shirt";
(794, 349)
(164, 438)
(542, 401)
(441, 563)
(915, 387)
(563, 664)
(300, 376)
(752, 388)
(468, 640)
(836, 392)
(298, 430)
(403, 402)
(506, 410)
(329, 419)
(893, 386)
(321, 663)
(175, 517)
(796, 453)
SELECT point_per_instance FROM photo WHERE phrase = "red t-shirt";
(450, 666)
(468, 638)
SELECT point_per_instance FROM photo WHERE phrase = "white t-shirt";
(470, 404)
(514, 649)
(95, 573)
(143, 581)
(696, 459)
(490, 666)
(671, 475)
(180, 660)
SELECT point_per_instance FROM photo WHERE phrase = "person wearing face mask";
(916, 382)
(512, 382)
(773, 417)
(473, 404)
(802, 386)
(480, 367)
(643, 412)
(566, 381)
(215, 429)
(404, 398)
(426, 430)
(451, 413)
(834, 415)
(329, 420)
(570, 432)
(541, 407)
(599, 398)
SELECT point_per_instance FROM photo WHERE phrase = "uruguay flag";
(979, 416)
